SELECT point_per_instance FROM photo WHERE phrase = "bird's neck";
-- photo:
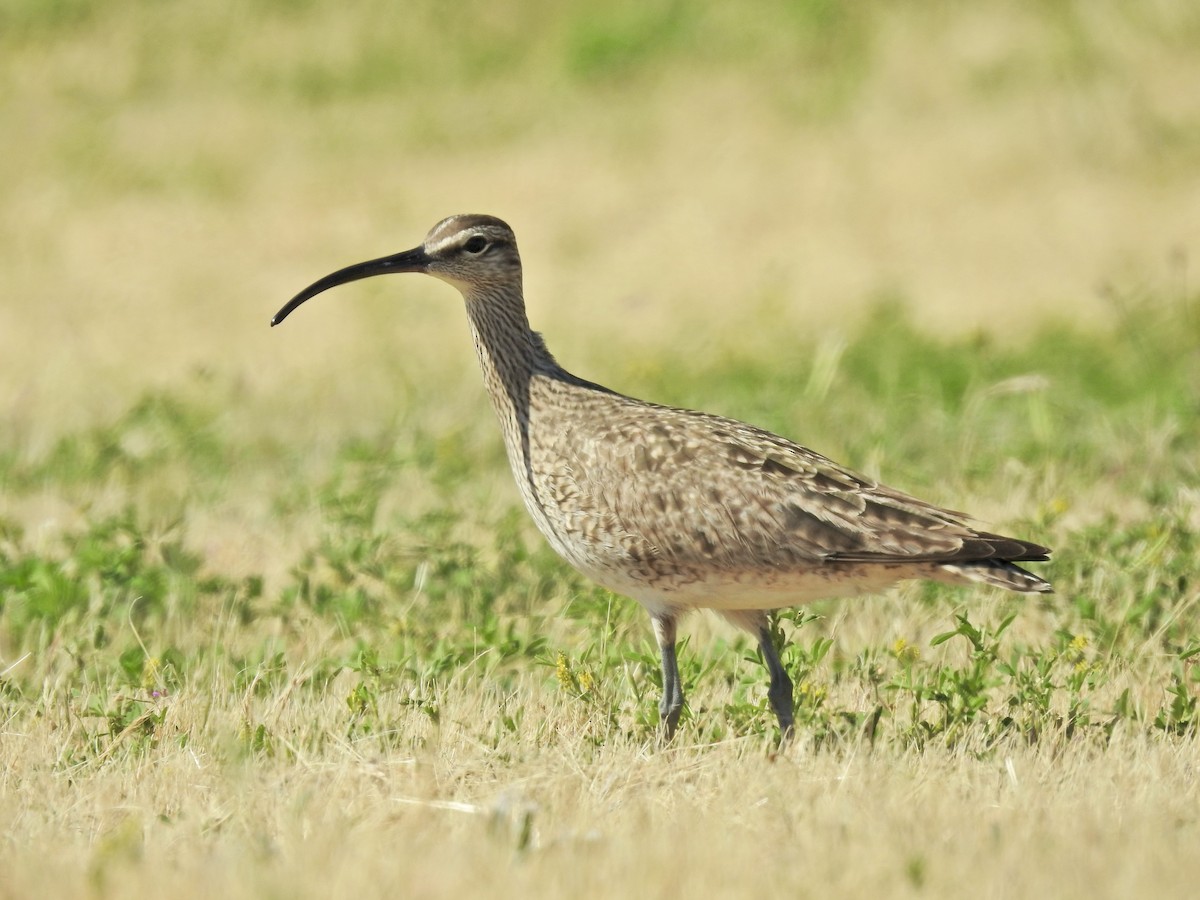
(509, 352)
(512, 357)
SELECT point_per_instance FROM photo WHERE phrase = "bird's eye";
(476, 244)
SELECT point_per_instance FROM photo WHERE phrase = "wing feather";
(696, 489)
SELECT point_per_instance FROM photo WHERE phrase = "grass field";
(272, 622)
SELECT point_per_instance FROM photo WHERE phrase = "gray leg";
(672, 697)
(780, 691)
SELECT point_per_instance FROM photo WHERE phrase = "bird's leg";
(671, 703)
(780, 691)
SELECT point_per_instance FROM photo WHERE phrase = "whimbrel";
(679, 509)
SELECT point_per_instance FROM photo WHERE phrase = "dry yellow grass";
(541, 813)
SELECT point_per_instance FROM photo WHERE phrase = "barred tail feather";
(997, 573)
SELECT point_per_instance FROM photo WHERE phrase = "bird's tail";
(997, 573)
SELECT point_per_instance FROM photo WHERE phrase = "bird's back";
(662, 502)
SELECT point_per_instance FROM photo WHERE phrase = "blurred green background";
(683, 178)
(712, 201)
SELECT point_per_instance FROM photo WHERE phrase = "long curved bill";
(416, 260)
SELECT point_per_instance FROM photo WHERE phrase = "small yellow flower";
(562, 670)
(586, 682)
(1078, 643)
(150, 670)
(813, 693)
(904, 651)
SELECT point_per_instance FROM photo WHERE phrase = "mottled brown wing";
(701, 489)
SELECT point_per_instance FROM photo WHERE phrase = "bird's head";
(475, 253)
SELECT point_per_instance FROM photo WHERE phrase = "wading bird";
(679, 509)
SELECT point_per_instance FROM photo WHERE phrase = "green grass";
(438, 629)
(1086, 429)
